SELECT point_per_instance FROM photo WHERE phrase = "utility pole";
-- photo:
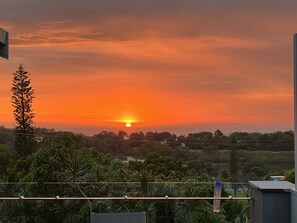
(295, 106)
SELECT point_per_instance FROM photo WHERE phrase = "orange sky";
(190, 65)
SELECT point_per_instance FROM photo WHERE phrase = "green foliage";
(5, 158)
(164, 167)
(232, 209)
(136, 139)
(254, 171)
(110, 142)
(196, 165)
(225, 174)
(210, 149)
(75, 160)
(234, 165)
(7, 137)
(21, 212)
(235, 211)
(199, 140)
(290, 175)
(63, 160)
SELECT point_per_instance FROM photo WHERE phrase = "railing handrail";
(125, 198)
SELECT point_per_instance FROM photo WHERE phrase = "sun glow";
(128, 122)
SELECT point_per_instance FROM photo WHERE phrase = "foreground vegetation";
(67, 164)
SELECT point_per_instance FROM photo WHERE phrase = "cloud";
(119, 20)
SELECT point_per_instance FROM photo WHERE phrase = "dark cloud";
(131, 19)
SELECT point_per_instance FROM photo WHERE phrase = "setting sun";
(127, 121)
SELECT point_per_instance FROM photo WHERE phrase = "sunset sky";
(176, 65)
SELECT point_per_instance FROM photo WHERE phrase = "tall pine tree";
(22, 98)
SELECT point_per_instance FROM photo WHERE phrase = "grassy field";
(275, 162)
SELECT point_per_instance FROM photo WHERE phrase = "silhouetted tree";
(22, 98)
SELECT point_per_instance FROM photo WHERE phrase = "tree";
(22, 98)
(136, 139)
(164, 167)
(254, 171)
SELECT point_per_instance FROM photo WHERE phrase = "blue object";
(218, 184)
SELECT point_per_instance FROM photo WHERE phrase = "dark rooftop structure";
(136, 217)
(271, 201)
(4, 44)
